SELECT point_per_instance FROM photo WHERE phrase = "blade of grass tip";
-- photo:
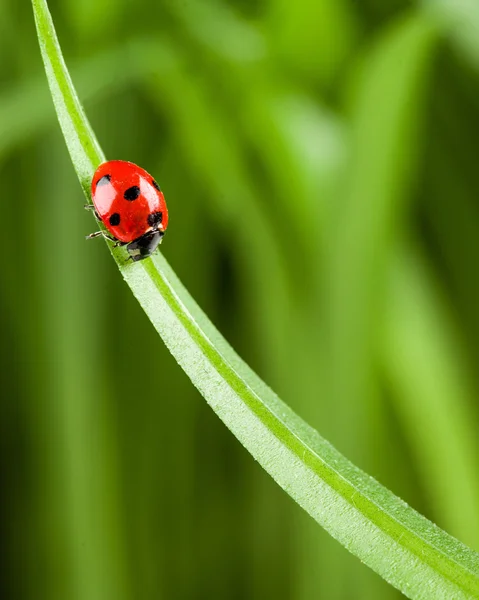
(84, 148)
(402, 546)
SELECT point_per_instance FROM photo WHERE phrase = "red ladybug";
(131, 205)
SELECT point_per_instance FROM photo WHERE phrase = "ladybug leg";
(105, 235)
(91, 207)
(94, 235)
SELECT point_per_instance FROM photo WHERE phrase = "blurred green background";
(320, 166)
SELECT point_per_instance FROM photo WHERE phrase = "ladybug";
(129, 202)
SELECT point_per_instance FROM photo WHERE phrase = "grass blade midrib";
(368, 507)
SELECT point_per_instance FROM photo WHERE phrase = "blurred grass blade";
(425, 362)
(460, 20)
(120, 67)
(314, 38)
(384, 156)
(406, 549)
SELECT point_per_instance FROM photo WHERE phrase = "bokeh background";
(320, 162)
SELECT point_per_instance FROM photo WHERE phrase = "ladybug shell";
(128, 200)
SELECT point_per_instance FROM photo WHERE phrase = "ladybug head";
(144, 246)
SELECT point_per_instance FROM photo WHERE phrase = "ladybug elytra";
(131, 205)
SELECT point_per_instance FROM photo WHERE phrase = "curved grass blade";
(401, 545)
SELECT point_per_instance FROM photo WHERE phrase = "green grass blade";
(459, 19)
(424, 359)
(406, 549)
(384, 156)
(84, 148)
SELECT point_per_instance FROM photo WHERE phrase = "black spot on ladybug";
(132, 193)
(114, 219)
(155, 218)
(104, 180)
(156, 185)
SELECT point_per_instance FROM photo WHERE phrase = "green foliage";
(385, 533)
(318, 161)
